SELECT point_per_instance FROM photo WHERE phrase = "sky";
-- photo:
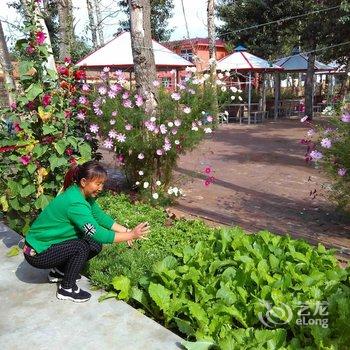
(195, 13)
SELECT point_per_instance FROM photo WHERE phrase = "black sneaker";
(74, 294)
(55, 275)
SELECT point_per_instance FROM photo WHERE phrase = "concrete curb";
(32, 317)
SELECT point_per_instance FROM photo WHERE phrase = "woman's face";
(92, 187)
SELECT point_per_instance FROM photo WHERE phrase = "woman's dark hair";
(89, 170)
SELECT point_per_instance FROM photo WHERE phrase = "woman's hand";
(140, 230)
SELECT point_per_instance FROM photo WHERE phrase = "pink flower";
(155, 83)
(85, 87)
(187, 110)
(159, 152)
(209, 118)
(111, 94)
(81, 115)
(163, 129)
(342, 172)
(207, 170)
(67, 60)
(345, 118)
(139, 101)
(25, 160)
(177, 122)
(106, 69)
(167, 147)
(98, 111)
(116, 88)
(175, 96)
(127, 103)
(94, 128)
(13, 106)
(46, 100)
(40, 37)
(120, 159)
(316, 155)
(326, 143)
(125, 95)
(150, 125)
(311, 133)
(112, 134)
(141, 156)
(128, 127)
(83, 100)
(174, 131)
(121, 138)
(108, 144)
(119, 73)
(102, 90)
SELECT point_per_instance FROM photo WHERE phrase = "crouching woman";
(72, 229)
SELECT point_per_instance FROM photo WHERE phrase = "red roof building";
(196, 50)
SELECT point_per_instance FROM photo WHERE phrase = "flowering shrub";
(148, 146)
(39, 134)
(329, 147)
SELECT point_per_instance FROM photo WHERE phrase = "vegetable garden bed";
(224, 289)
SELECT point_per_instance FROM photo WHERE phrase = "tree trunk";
(92, 24)
(62, 6)
(6, 65)
(99, 23)
(212, 55)
(309, 82)
(141, 43)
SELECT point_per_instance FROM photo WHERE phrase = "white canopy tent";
(242, 61)
(118, 54)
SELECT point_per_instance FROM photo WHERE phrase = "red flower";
(67, 60)
(207, 170)
(63, 71)
(207, 182)
(73, 102)
(7, 148)
(69, 151)
(40, 37)
(25, 160)
(46, 100)
(47, 140)
(67, 113)
(30, 49)
(79, 74)
(16, 127)
(72, 160)
(31, 105)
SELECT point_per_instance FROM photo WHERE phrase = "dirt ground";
(261, 182)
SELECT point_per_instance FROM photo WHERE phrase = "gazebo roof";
(241, 60)
(118, 53)
(297, 62)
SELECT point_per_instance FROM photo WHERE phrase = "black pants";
(68, 256)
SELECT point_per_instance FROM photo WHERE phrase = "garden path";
(261, 182)
(32, 317)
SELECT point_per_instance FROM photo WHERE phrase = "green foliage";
(332, 140)
(149, 146)
(217, 290)
(136, 262)
(39, 139)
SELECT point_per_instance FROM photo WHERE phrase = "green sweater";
(69, 216)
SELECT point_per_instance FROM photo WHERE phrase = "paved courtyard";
(262, 182)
